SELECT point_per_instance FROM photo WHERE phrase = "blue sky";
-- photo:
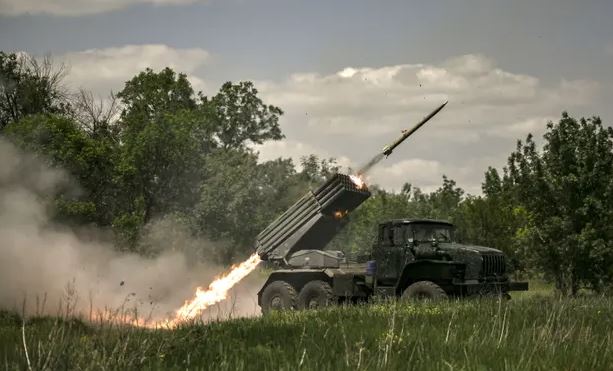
(506, 67)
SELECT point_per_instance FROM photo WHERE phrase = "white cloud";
(533, 125)
(103, 70)
(354, 112)
(296, 151)
(425, 173)
(75, 7)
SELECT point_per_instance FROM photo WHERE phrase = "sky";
(350, 75)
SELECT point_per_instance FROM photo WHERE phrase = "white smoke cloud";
(40, 259)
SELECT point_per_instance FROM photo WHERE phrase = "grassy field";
(532, 331)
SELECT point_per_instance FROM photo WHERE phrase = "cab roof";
(415, 221)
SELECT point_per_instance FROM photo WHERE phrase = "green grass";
(528, 332)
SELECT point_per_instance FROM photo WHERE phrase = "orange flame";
(358, 181)
(217, 290)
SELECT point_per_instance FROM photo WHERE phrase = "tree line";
(157, 149)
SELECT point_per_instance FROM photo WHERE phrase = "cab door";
(390, 254)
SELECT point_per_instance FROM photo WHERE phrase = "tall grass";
(530, 332)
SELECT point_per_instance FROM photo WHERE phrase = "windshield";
(432, 232)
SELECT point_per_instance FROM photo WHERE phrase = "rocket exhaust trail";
(217, 291)
(203, 299)
(370, 164)
(387, 150)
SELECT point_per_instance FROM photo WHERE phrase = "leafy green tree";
(177, 147)
(28, 87)
(315, 171)
(163, 164)
(440, 204)
(567, 191)
(150, 95)
(232, 202)
(164, 143)
(240, 117)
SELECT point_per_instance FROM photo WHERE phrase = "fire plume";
(358, 181)
(216, 292)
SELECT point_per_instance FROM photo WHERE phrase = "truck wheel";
(315, 294)
(278, 295)
(424, 290)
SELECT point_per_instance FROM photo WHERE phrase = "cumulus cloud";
(75, 7)
(103, 70)
(354, 112)
(426, 173)
(296, 150)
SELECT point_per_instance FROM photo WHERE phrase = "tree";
(567, 191)
(178, 147)
(241, 117)
(28, 87)
(164, 142)
(162, 166)
(241, 197)
(440, 204)
(315, 171)
(150, 95)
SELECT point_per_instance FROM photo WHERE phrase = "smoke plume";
(44, 265)
(370, 164)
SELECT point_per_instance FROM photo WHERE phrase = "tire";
(278, 295)
(424, 290)
(315, 294)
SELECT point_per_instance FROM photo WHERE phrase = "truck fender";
(437, 271)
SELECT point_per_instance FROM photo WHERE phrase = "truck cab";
(408, 251)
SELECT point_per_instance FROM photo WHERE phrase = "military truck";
(410, 258)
